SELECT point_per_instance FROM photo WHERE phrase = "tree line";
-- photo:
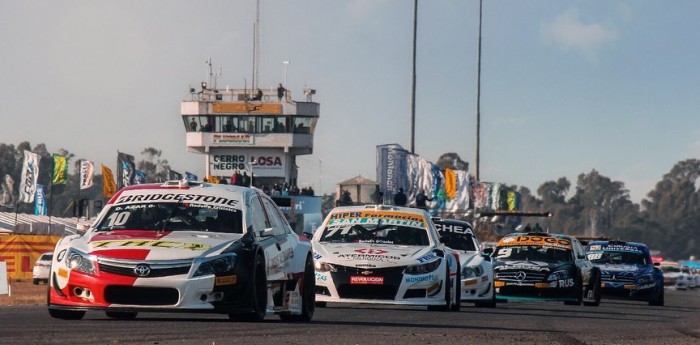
(668, 219)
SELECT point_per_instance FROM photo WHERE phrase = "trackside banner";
(30, 176)
(392, 170)
(20, 252)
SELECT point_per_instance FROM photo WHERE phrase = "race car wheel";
(121, 315)
(308, 295)
(457, 289)
(659, 300)
(66, 314)
(258, 294)
(578, 290)
(593, 289)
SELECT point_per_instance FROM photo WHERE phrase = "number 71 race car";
(384, 254)
(184, 246)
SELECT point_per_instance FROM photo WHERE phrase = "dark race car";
(627, 271)
(545, 267)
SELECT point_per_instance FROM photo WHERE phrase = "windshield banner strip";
(543, 241)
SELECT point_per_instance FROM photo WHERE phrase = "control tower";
(250, 131)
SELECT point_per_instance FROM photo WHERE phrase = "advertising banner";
(20, 252)
(30, 176)
(40, 207)
(261, 162)
(392, 170)
(87, 171)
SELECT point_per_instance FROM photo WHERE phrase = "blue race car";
(627, 271)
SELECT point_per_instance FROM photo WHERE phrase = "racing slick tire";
(488, 304)
(457, 289)
(66, 314)
(121, 315)
(258, 294)
(308, 294)
(659, 300)
(594, 289)
(578, 288)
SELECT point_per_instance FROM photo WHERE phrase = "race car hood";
(372, 255)
(617, 268)
(469, 258)
(154, 245)
(538, 266)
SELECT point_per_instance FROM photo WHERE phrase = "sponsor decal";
(225, 280)
(458, 229)
(150, 244)
(646, 286)
(421, 279)
(369, 257)
(427, 257)
(537, 266)
(595, 247)
(321, 277)
(621, 248)
(317, 256)
(362, 280)
(177, 197)
(371, 251)
(366, 266)
(563, 283)
(372, 217)
(536, 241)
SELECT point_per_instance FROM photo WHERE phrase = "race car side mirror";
(486, 257)
(488, 251)
(267, 232)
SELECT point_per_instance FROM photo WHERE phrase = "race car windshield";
(458, 241)
(627, 258)
(375, 233)
(172, 216)
(533, 253)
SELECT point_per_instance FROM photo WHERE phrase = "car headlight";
(217, 265)
(472, 271)
(321, 266)
(423, 268)
(644, 279)
(558, 275)
(79, 261)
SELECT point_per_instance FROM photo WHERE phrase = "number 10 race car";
(185, 247)
(384, 254)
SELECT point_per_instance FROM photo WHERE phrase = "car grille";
(138, 295)
(622, 277)
(157, 268)
(516, 276)
(392, 279)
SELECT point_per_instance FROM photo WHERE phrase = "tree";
(599, 197)
(155, 168)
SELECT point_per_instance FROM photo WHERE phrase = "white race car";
(384, 254)
(185, 246)
(477, 271)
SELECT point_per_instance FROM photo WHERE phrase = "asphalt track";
(614, 322)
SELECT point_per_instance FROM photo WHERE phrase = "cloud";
(567, 31)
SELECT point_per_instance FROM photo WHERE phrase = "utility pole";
(413, 80)
(478, 99)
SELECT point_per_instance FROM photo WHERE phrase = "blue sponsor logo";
(422, 279)
(317, 256)
(426, 258)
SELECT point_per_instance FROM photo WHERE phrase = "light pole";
(285, 63)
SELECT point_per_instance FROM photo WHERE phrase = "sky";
(566, 86)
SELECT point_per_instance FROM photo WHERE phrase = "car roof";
(643, 247)
(451, 221)
(377, 207)
(194, 186)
